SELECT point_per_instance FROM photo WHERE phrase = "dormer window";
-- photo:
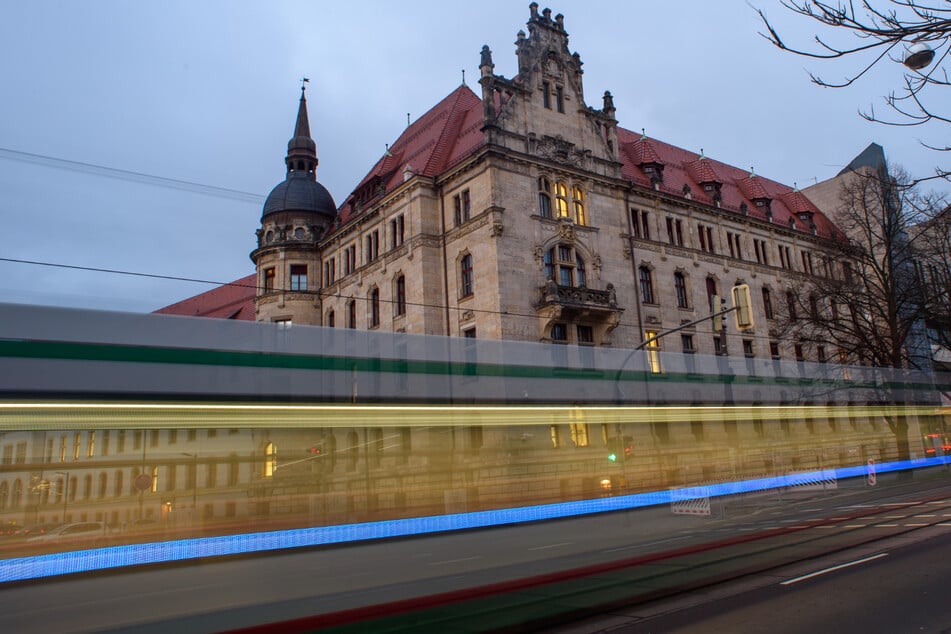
(648, 169)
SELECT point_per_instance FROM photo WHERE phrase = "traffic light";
(716, 307)
(743, 306)
(619, 447)
(314, 449)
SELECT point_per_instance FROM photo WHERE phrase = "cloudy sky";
(189, 106)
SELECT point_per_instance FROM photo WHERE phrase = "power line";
(129, 175)
(335, 295)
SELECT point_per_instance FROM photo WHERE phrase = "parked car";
(80, 531)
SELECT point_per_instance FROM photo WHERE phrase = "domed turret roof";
(299, 192)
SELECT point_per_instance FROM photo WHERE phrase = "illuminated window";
(270, 460)
(555, 433)
(653, 351)
(154, 480)
(561, 200)
(577, 201)
(578, 428)
(269, 277)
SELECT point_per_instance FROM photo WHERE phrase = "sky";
(143, 137)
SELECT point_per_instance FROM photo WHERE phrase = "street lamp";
(918, 56)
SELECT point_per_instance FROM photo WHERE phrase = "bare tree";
(912, 32)
(869, 303)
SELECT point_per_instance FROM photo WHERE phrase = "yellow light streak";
(57, 415)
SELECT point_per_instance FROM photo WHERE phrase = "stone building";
(523, 213)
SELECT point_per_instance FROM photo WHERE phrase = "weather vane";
(303, 80)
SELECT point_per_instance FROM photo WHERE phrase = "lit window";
(270, 460)
(269, 279)
(561, 200)
(577, 200)
(653, 351)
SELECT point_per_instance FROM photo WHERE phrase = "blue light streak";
(40, 566)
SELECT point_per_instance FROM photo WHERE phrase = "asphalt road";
(215, 595)
(901, 587)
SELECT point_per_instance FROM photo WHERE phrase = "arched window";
(647, 284)
(4, 494)
(330, 319)
(351, 314)
(270, 460)
(544, 197)
(577, 201)
(400, 295)
(465, 275)
(565, 266)
(561, 200)
(680, 287)
(374, 307)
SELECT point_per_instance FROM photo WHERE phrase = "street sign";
(142, 482)
(871, 478)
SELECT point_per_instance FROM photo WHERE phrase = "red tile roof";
(230, 301)
(682, 168)
(452, 130)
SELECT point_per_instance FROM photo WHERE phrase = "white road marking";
(551, 546)
(833, 568)
(855, 526)
(909, 525)
(926, 516)
(453, 561)
(886, 526)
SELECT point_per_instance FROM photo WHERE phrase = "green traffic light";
(612, 457)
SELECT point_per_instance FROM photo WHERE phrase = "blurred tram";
(164, 426)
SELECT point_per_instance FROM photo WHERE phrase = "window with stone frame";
(298, 274)
(465, 276)
(578, 205)
(680, 288)
(565, 266)
(269, 277)
(561, 200)
(374, 307)
(645, 277)
(400, 294)
(544, 197)
(768, 303)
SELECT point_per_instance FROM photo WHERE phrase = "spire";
(301, 149)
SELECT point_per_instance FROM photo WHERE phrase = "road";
(220, 594)
(900, 587)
